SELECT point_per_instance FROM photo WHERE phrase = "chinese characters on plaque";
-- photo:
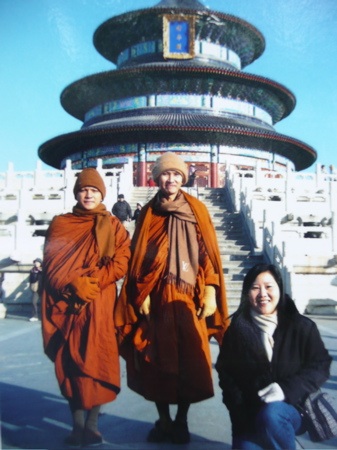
(178, 36)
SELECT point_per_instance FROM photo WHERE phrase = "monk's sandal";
(92, 438)
(180, 433)
(159, 434)
(74, 439)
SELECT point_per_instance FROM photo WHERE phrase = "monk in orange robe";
(172, 301)
(85, 253)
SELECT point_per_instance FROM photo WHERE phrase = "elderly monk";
(85, 253)
(172, 301)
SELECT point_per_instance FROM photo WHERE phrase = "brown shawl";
(104, 237)
(183, 247)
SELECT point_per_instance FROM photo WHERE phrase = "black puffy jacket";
(300, 363)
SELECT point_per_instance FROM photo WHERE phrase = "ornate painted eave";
(110, 38)
(79, 97)
(156, 129)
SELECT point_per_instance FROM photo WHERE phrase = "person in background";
(2, 291)
(35, 276)
(151, 183)
(121, 209)
(271, 359)
(192, 176)
(86, 252)
(138, 209)
(3, 309)
(172, 301)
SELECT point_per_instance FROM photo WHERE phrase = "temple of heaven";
(177, 85)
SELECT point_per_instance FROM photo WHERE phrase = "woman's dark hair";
(251, 277)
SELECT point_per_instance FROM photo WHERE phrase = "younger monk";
(85, 253)
(172, 301)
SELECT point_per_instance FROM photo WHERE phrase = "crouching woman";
(271, 359)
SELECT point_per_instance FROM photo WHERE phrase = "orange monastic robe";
(82, 343)
(168, 359)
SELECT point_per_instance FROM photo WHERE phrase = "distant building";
(178, 86)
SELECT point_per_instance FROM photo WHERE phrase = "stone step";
(229, 253)
(233, 285)
(224, 238)
(232, 240)
(243, 256)
(237, 265)
(234, 269)
(227, 225)
(234, 249)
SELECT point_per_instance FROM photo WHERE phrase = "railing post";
(334, 232)
(125, 179)
(69, 178)
(10, 176)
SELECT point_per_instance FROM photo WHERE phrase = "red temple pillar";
(214, 167)
(141, 166)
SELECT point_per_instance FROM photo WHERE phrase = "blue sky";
(47, 44)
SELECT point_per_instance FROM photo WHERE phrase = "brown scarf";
(103, 233)
(183, 244)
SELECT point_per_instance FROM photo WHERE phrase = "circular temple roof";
(82, 95)
(110, 38)
(173, 128)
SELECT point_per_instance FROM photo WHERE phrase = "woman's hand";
(272, 393)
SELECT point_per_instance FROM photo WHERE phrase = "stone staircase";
(236, 253)
(141, 194)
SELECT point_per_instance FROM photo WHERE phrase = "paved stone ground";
(35, 415)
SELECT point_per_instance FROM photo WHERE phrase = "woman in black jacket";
(271, 358)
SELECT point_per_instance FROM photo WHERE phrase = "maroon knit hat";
(90, 177)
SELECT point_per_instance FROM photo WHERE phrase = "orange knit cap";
(169, 161)
(90, 177)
